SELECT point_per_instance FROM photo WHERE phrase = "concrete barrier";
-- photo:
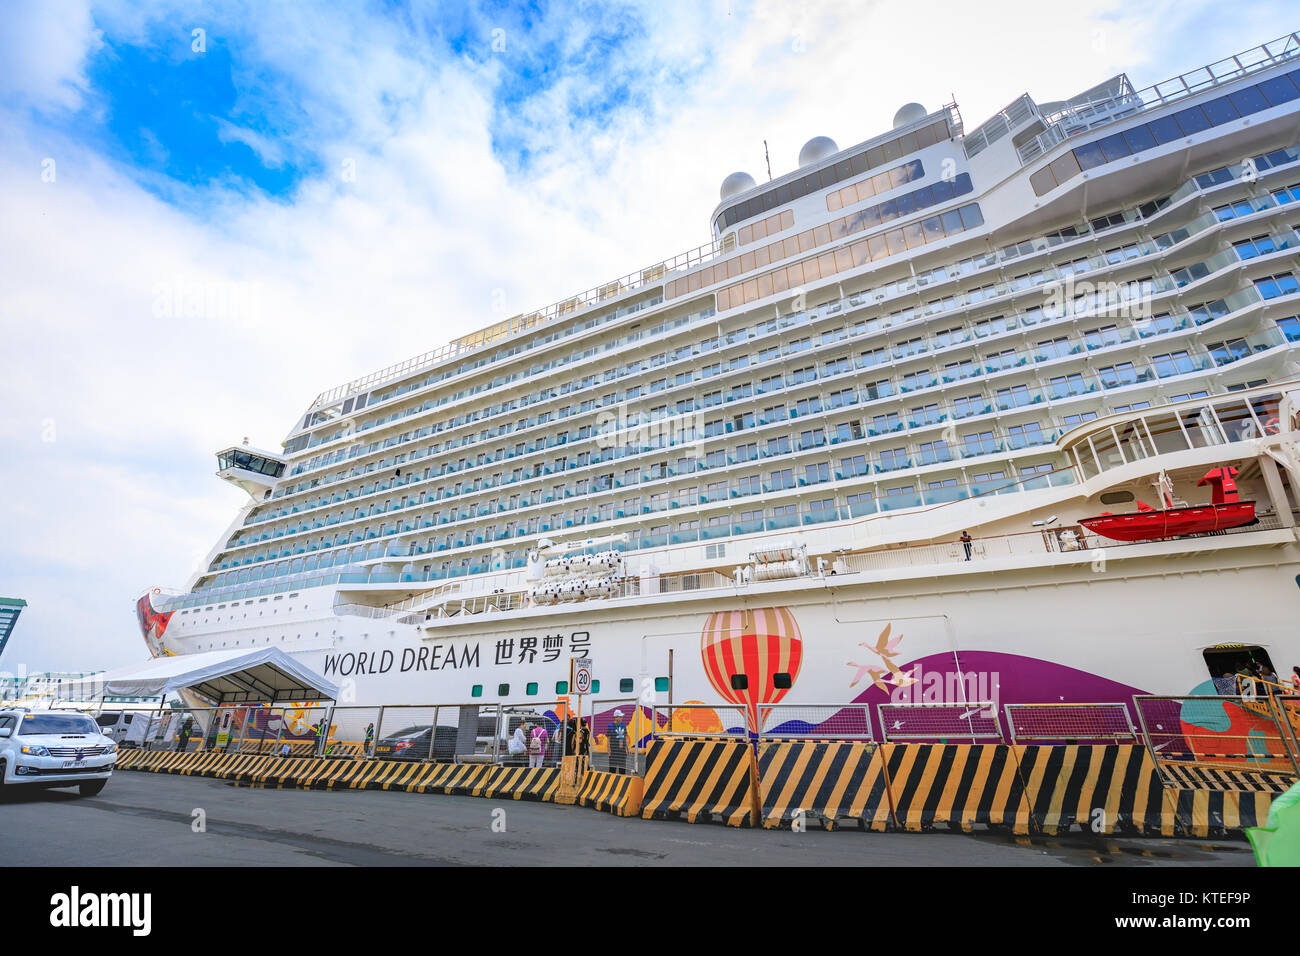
(960, 786)
(832, 782)
(616, 793)
(524, 783)
(1052, 788)
(700, 781)
(1190, 776)
(1206, 813)
(1113, 788)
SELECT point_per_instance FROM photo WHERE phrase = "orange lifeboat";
(1225, 511)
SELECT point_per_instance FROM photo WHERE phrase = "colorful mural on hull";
(752, 658)
(152, 623)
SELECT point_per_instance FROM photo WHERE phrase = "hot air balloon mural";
(757, 644)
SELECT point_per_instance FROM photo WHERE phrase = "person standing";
(517, 747)
(183, 738)
(571, 737)
(537, 746)
(370, 740)
(966, 540)
(1270, 679)
(618, 744)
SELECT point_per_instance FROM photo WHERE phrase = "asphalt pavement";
(145, 819)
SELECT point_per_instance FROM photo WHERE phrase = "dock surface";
(146, 820)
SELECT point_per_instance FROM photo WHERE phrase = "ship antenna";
(768, 158)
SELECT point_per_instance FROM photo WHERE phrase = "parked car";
(127, 728)
(54, 748)
(412, 743)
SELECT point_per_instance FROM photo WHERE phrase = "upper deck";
(896, 355)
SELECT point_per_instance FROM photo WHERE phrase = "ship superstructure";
(929, 334)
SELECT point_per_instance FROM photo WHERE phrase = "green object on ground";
(1278, 843)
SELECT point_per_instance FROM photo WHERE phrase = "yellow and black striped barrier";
(1047, 788)
(960, 786)
(1212, 801)
(700, 781)
(1206, 813)
(616, 793)
(836, 783)
(1192, 776)
(526, 783)
(1103, 789)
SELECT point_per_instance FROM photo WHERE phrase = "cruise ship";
(1006, 415)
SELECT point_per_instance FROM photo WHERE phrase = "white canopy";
(255, 675)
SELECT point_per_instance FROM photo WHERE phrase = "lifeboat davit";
(1225, 511)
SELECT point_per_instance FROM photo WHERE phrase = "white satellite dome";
(909, 113)
(735, 184)
(817, 149)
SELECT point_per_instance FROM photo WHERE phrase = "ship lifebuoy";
(1272, 426)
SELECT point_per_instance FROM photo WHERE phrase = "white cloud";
(43, 50)
(420, 247)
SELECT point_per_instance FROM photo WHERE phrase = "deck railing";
(1080, 117)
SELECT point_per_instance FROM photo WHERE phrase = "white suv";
(54, 748)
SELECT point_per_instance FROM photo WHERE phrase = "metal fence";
(1228, 732)
(700, 720)
(817, 721)
(1244, 731)
(1069, 723)
(976, 720)
(300, 730)
(619, 750)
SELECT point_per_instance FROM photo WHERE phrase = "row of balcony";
(1230, 174)
(1092, 340)
(896, 501)
(1065, 387)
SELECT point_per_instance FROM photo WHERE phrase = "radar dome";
(817, 149)
(909, 113)
(735, 184)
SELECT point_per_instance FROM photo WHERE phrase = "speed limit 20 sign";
(582, 675)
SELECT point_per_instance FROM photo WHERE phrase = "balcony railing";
(1080, 117)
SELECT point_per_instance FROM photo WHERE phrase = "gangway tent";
(234, 676)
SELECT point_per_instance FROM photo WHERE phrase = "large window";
(1184, 123)
(870, 158)
(879, 246)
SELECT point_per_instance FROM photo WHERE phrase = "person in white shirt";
(517, 746)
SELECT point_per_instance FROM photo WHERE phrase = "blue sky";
(198, 237)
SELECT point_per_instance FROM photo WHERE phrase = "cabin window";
(503, 690)
(781, 681)
(1116, 497)
(740, 682)
(531, 689)
(561, 686)
(476, 690)
(661, 685)
(595, 687)
(625, 685)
